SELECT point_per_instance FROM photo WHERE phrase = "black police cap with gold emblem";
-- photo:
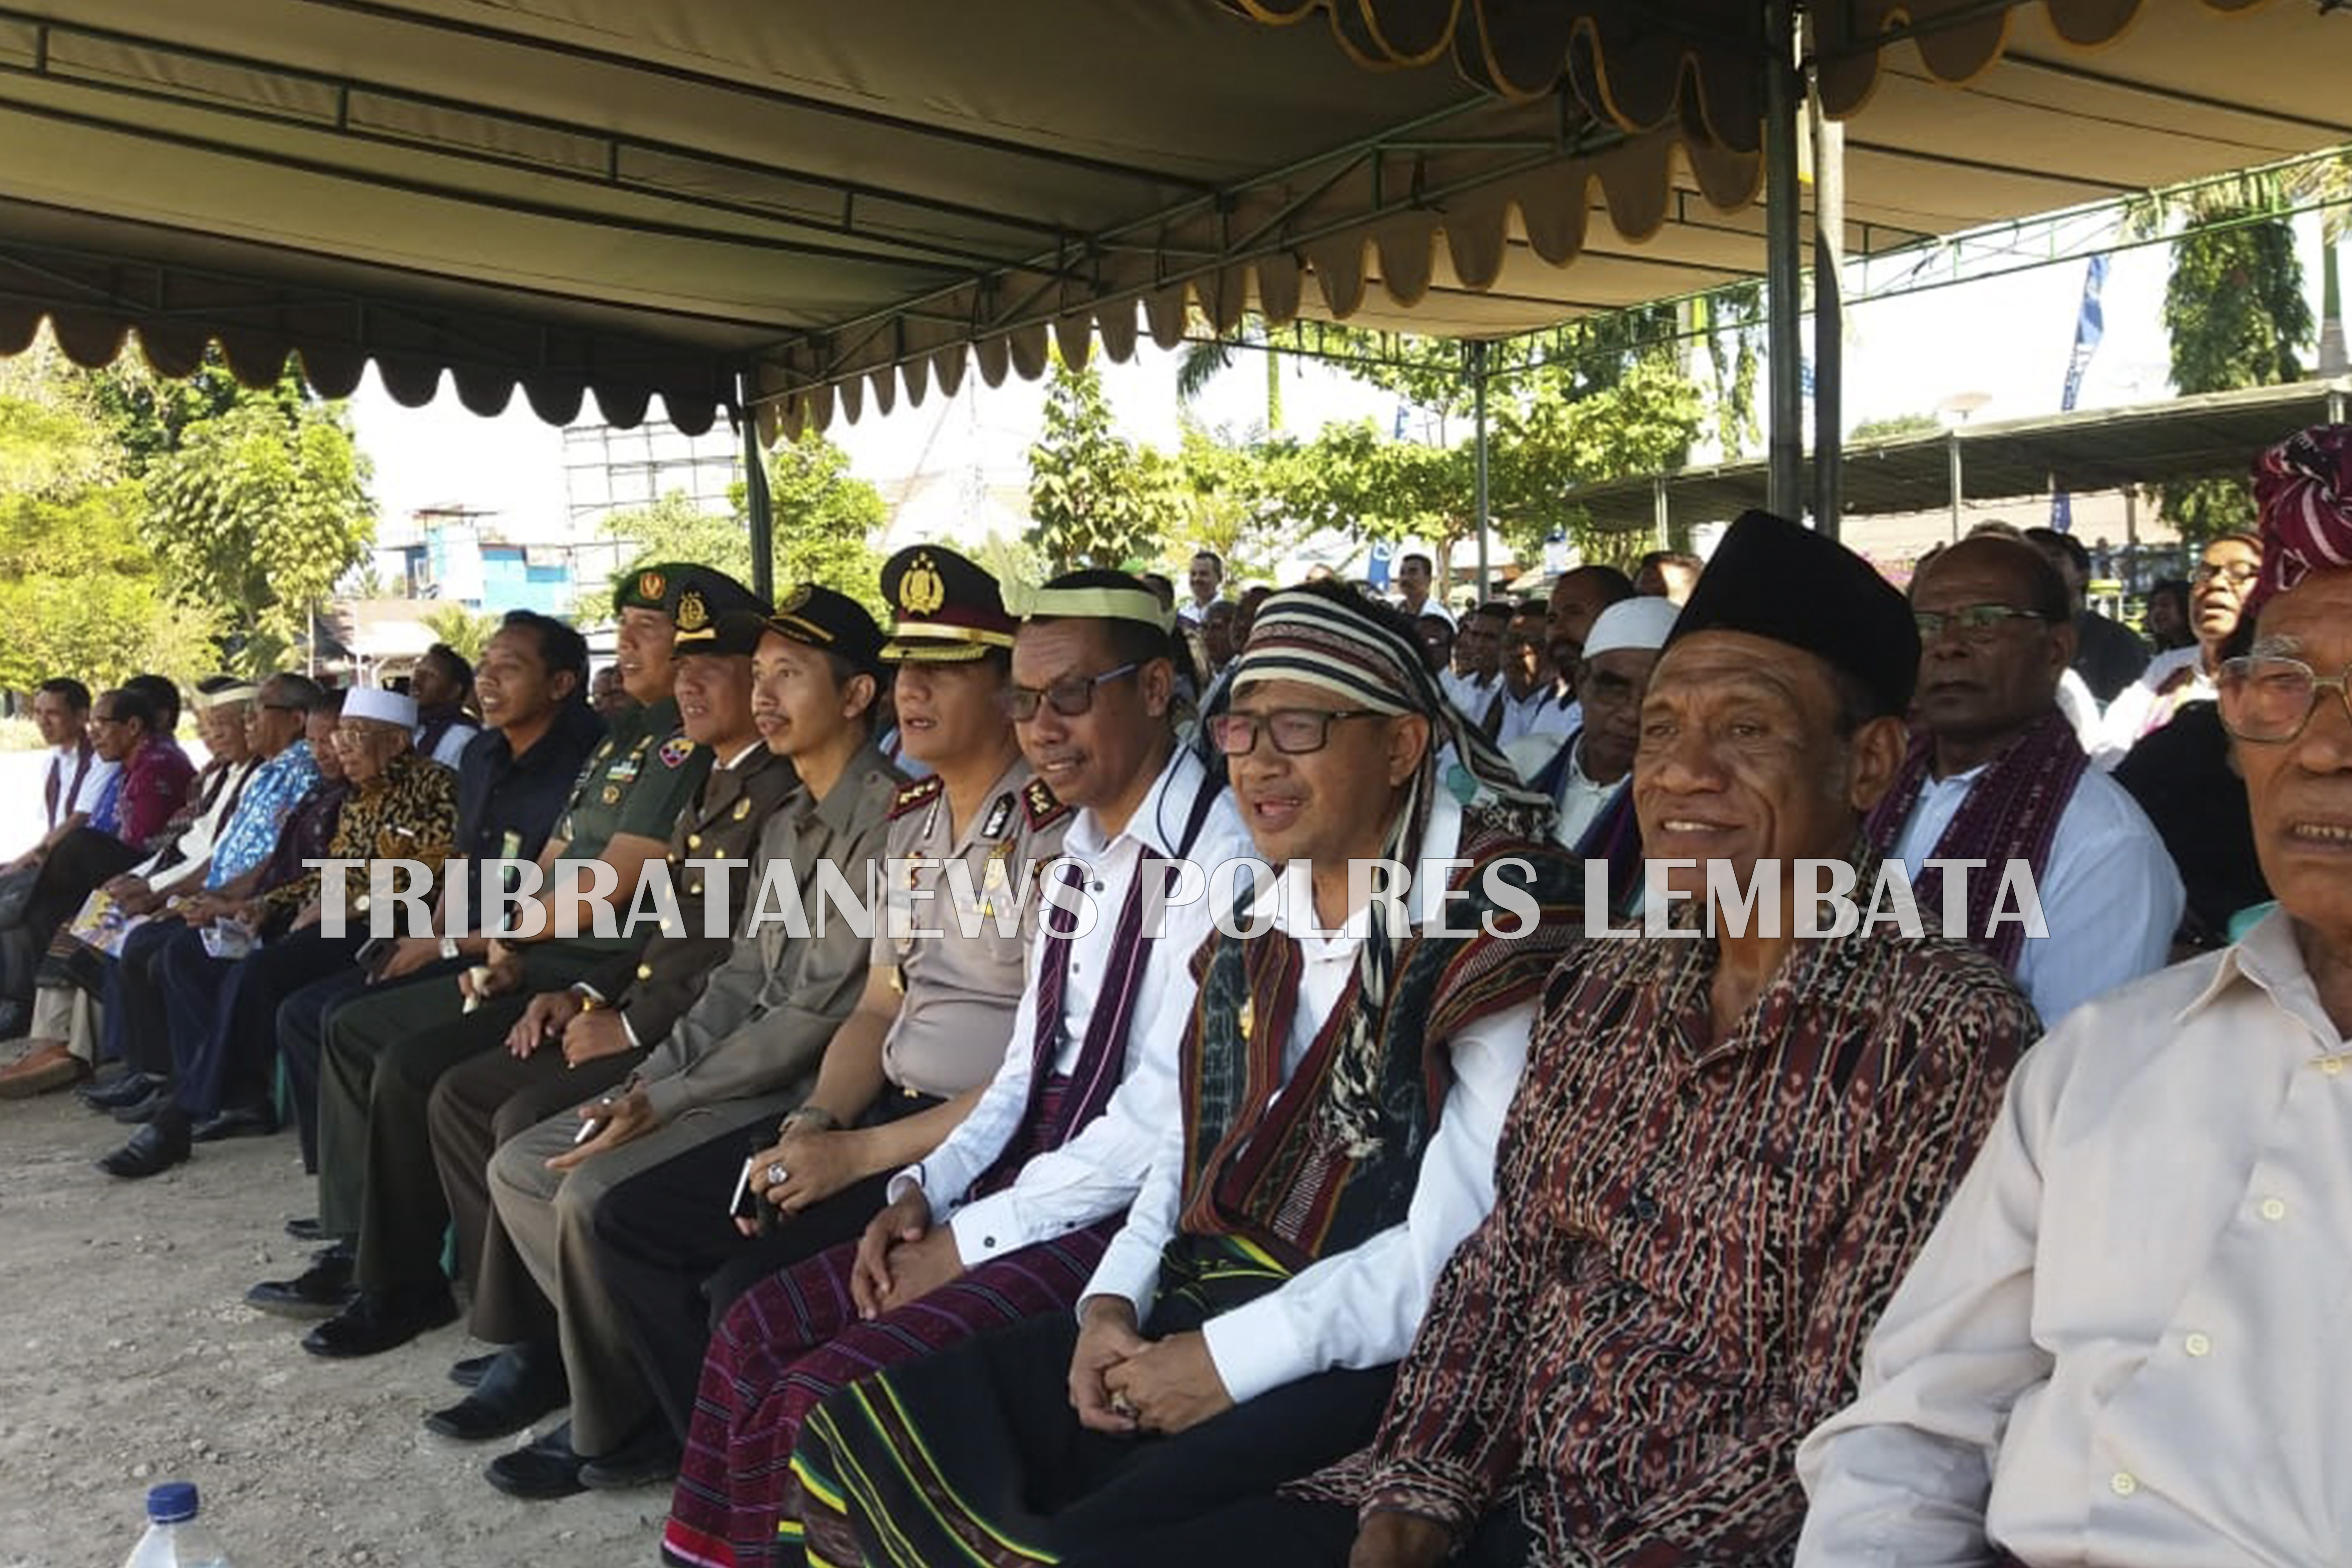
(692, 596)
(733, 634)
(821, 617)
(943, 608)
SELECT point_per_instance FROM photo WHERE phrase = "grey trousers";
(549, 1218)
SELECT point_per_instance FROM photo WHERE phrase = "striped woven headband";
(1307, 638)
(2303, 492)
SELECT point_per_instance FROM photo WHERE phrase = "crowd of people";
(1072, 1220)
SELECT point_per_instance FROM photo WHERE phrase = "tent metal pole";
(756, 502)
(1658, 510)
(1953, 446)
(1478, 454)
(1784, 343)
(1829, 318)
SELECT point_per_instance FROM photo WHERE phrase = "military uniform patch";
(674, 751)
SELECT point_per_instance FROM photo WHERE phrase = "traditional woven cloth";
(2012, 813)
(2302, 490)
(1326, 640)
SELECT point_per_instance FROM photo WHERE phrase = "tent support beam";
(1784, 349)
(1829, 317)
(1479, 355)
(756, 499)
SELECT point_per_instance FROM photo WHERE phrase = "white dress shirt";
(2082, 709)
(1470, 694)
(1359, 1307)
(2123, 1344)
(72, 798)
(2141, 707)
(1546, 710)
(1096, 1173)
(2110, 893)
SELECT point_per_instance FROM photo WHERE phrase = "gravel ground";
(127, 1356)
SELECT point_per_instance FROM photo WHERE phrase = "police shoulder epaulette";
(1042, 805)
(915, 795)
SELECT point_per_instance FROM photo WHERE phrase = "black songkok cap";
(1772, 578)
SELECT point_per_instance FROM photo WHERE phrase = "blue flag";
(2090, 326)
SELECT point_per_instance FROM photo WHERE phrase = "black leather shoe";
(146, 1108)
(153, 1150)
(236, 1122)
(105, 1094)
(379, 1321)
(524, 1382)
(649, 1459)
(307, 1228)
(318, 1292)
(467, 1374)
(543, 1469)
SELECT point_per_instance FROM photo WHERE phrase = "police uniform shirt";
(959, 992)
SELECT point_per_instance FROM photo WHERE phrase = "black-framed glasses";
(1970, 623)
(280, 708)
(2268, 700)
(2238, 572)
(1070, 696)
(1294, 731)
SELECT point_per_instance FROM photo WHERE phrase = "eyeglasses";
(2239, 573)
(280, 708)
(1294, 731)
(2267, 700)
(1070, 696)
(1970, 623)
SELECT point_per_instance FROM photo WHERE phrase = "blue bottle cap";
(174, 1503)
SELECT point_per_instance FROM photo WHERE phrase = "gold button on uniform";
(645, 972)
(2198, 1344)
(2274, 1209)
(694, 841)
(2123, 1483)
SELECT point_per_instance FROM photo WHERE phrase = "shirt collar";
(1151, 823)
(2269, 958)
(838, 809)
(731, 763)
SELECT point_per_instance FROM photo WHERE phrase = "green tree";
(2235, 313)
(461, 628)
(1894, 427)
(820, 514)
(823, 516)
(1094, 499)
(258, 511)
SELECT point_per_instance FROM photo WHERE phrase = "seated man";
(570, 1045)
(442, 683)
(1007, 1218)
(2120, 1347)
(1343, 1076)
(385, 1051)
(1997, 776)
(622, 1245)
(1586, 775)
(1724, 1148)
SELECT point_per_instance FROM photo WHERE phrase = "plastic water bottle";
(175, 1537)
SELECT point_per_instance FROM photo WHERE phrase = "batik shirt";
(269, 797)
(407, 813)
(1691, 1237)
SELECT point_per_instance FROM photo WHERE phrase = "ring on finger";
(777, 1174)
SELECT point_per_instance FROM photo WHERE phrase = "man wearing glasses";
(1006, 1218)
(2122, 1345)
(1995, 776)
(1343, 1078)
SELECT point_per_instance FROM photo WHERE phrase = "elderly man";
(1997, 777)
(2122, 1345)
(1586, 775)
(1343, 1075)
(1723, 1150)
(1006, 1218)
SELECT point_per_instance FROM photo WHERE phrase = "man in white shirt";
(1005, 1219)
(1414, 574)
(1206, 580)
(1478, 683)
(1241, 1328)
(2122, 1345)
(1586, 774)
(1999, 778)
(76, 777)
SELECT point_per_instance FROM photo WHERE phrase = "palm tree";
(1205, 360)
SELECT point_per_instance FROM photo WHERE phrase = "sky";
(2007, 339)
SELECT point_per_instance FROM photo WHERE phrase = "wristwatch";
(448, 947)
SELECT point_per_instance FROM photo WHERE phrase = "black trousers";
(667, 1249)
(76, 866)
(1291, 1533)
(222, 1013)
(476, 1105)
(137, 1030)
